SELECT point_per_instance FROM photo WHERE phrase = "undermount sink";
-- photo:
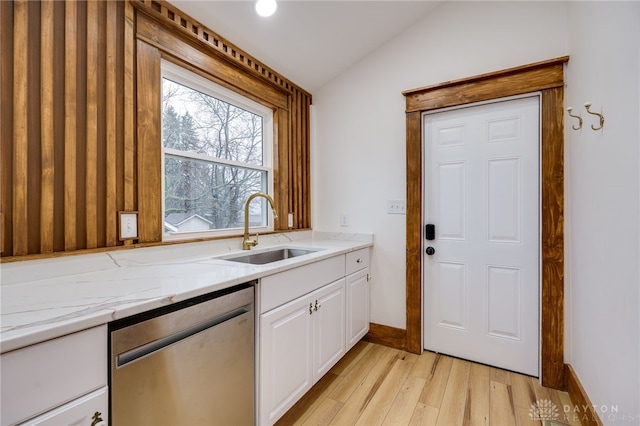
(264, 257)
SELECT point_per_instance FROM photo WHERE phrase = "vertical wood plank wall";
(150, 152)
(47, 58)
(69, 149)
(62, 134)
(70, 130)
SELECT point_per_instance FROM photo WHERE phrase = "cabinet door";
(285, 358)
(358, 316)
(52, 373)
(328, 327)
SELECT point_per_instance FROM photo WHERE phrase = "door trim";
(546, 77)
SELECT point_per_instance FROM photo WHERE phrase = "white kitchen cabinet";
(357, 292)
(88, 410)
(310, 317)
(278, 289)
(328, 320)
(300, 341)
(285, 358)
(59, 381)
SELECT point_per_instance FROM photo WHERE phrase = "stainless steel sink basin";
(270, 256)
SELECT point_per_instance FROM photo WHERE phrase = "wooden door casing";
(547, 77)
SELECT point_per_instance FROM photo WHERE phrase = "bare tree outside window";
(213, 153)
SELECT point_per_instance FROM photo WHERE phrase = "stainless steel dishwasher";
(188, 364)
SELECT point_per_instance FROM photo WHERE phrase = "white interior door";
(481, 284)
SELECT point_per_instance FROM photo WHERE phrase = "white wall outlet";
(128, 225)
(396, 207)
(290, 220)
(344, 219)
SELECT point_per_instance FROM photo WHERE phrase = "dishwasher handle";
(128, 357)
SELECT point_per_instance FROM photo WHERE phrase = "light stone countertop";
(48, 298)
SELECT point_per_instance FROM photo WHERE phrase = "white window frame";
(188, 78)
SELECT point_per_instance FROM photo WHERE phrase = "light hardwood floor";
(377, 385)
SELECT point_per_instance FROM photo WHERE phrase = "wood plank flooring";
(377, 385)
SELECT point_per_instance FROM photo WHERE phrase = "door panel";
(452, 291)
(505, 302)
(451, 202)
(482, 193)
(504, 200)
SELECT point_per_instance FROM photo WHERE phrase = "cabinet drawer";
(38, 378)
(357, 260)
(80, 411)
(278, 289)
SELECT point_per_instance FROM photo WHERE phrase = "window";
(216, 152)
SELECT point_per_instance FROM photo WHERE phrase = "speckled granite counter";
(47, 298)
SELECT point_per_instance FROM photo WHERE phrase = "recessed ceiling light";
(266, 7)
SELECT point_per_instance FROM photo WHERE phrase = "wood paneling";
(47, 127)
(81, 132)
(70, 115)
(545, 77)
(20, 127)
(281, 163)
(111, 125)
(6, 131)
(294, 153)
(299, 160)
(305, 141)
(149, 145)
(92, 125)
(60, 174)
(129, 171)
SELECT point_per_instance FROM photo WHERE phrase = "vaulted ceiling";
(309, 42)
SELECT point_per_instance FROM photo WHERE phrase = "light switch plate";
(128, 222)
(396, 207)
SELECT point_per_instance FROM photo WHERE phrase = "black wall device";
(430, 231)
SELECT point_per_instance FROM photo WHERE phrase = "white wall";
(604, 187)
(359, 121)
(359, 163)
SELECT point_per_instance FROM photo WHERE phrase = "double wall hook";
(575, 116)
(587, 106)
